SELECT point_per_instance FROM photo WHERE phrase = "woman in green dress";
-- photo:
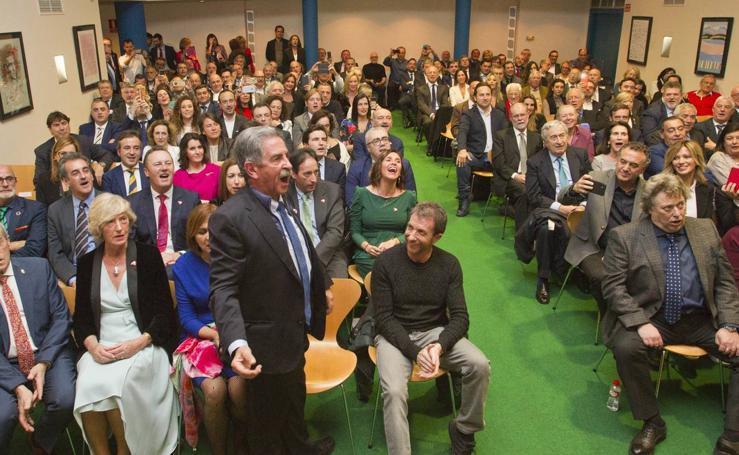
(380, 211)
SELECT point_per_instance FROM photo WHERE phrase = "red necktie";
(163, 228)
(22, 342)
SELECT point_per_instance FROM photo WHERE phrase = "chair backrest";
(70, 294)
(346, 294)
(24, 174)
(368, 283)
(574, 218)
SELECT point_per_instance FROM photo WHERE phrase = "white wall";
(43, 38)
(682, 23)
(558, 24)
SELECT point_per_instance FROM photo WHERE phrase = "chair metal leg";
(505, 217)
(487, 203)
(597, 329)
(74, 451)
(348, 421)
(562, 289)
(451, 394)
(661, 368)
(374, 418)
(721, 379)
(602, 356)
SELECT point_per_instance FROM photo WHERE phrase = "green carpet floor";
(544, 396)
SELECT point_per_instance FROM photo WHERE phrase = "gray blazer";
(584, 240)
(61, 227)
(301, 123)
(634, 285)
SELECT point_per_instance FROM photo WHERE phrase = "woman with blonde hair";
(685, 160)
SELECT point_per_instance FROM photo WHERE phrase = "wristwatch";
(730, 328)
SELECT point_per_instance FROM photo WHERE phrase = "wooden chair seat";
(354, 274)
(484, 174)
(693, 352)
(327, 366)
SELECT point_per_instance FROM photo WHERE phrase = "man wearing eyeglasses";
(24, 219)
(378, 141)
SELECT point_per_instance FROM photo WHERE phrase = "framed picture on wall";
(15, 88)
(713, 45)
(88, 63)
(641, 30)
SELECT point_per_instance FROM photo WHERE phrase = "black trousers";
(275, 407)
(633, 367)
(592, 267)
(550, 251)
(516, 193)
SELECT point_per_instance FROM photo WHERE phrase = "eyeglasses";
(9, 179)
(379, 140)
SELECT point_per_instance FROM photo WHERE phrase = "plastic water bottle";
(613, 395)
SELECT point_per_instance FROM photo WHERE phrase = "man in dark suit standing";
(556, 167)
(512, 147)
(101, 130)
(268, 290)
(112, 99)
(231, 122)
(476, 132)
(129, 177)
(58, 124)
(618, 205)
(111, 65)
(320, 207)
(329, 170)
(277, 47)
(406, 87)
(162, 208)
(668, 281)
(160, 50)
(656, 113)
(23, 219)
(429, 98)
(37, 362)
(68, 236)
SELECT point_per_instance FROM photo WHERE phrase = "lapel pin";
(18, 213)
(395, 209)
(323, 201)
(295, 211)
(179, 202)
(23, 271)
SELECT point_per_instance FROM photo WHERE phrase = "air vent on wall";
(674, 2)
(50, 6)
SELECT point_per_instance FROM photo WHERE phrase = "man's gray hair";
(249, 144)
(374, 133)
(727, 99)
(546, 130)
(682, 107)
(67, 158)
(669, 184)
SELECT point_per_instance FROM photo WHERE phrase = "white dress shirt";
(488, 129)
(12, 351)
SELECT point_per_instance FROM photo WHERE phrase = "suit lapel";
(68, 219)
(651, 249)
(25, 285)
(610, 190)
(701, 258)
(636, 211)
(319, 206)
(549, 173)
(265, 223)
(13, 215)
(121, 179)
(573, 162)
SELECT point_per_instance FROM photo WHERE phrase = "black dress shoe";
(647, 438)
(464, 207)
(325, 445)
(462, 444)
(726, 447)
(542, 293)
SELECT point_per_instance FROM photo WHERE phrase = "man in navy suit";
(330, 170)
(381, 118)
(205, 101)
(160, 50)
(656, 113)
(477, 130)
(129, 177)
(377, 142)
(101, 130)
(37, 363)
(24, 219)
(158, 198)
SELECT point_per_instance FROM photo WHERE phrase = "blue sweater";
(191, 289)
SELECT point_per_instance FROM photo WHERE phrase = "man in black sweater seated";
(421, 316)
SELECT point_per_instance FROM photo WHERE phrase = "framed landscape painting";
(15, 88)
(713, 45)
(88, 63)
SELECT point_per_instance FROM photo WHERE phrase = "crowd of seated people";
(139, 182)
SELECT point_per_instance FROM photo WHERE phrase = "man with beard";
(23, 219)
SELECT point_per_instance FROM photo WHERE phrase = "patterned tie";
(292, 236)
(98, 135)
(673, 285)
(163, 227)
(307, 220)
(562, 172)
(719, 129)
(522, 151)
(81, 234)
(3, 217)
(433, 97)
(131, 180)
(22, 341)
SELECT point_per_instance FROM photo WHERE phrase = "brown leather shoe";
(726, 447)
(647, 438)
